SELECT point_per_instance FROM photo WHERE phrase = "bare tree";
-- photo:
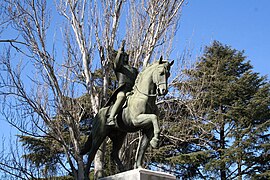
(89, 32)
(151, 24)
(31, 20)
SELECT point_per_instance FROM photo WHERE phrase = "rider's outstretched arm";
(118, 59)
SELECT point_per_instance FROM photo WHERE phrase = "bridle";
(150, 95)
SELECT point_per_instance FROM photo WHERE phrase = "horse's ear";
(171, 63)
(160, 60)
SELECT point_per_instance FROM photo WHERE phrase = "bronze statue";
(140, 113)
(126, 76)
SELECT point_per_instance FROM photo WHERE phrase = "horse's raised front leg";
(145, 120)
(147, 135)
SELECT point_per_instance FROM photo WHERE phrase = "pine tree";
(235, 103)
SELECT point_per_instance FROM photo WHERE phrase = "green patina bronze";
(140, 112)
(126, 76)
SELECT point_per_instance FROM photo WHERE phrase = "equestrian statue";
(131, 108)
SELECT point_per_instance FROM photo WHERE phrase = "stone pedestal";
(140, 174)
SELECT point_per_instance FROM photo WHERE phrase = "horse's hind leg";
(97, 141)
(143, 145)
(117, 138)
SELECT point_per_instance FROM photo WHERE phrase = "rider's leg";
(120, 100)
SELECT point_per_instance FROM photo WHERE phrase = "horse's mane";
(148, 67)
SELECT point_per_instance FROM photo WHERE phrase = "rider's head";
(125, 57)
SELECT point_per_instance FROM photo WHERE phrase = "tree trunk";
(239, 165)
(100, 155)
(239, 158)
(222, 168)
(222, 145)
(81, 169)
(99, 161)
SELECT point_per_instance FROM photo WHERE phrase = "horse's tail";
(87, 146)
(97, 128)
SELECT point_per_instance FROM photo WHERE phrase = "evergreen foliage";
(220, 127)
(235, 103)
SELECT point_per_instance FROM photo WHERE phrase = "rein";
(148, 95)
(161, 83)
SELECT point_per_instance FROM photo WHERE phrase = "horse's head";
(161, 75)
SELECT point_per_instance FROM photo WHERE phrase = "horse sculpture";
(139, 113)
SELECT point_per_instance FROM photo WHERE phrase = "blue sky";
(241, 24)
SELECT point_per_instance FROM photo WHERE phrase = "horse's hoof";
(154, 142)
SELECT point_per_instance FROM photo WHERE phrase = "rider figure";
(126, 76)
